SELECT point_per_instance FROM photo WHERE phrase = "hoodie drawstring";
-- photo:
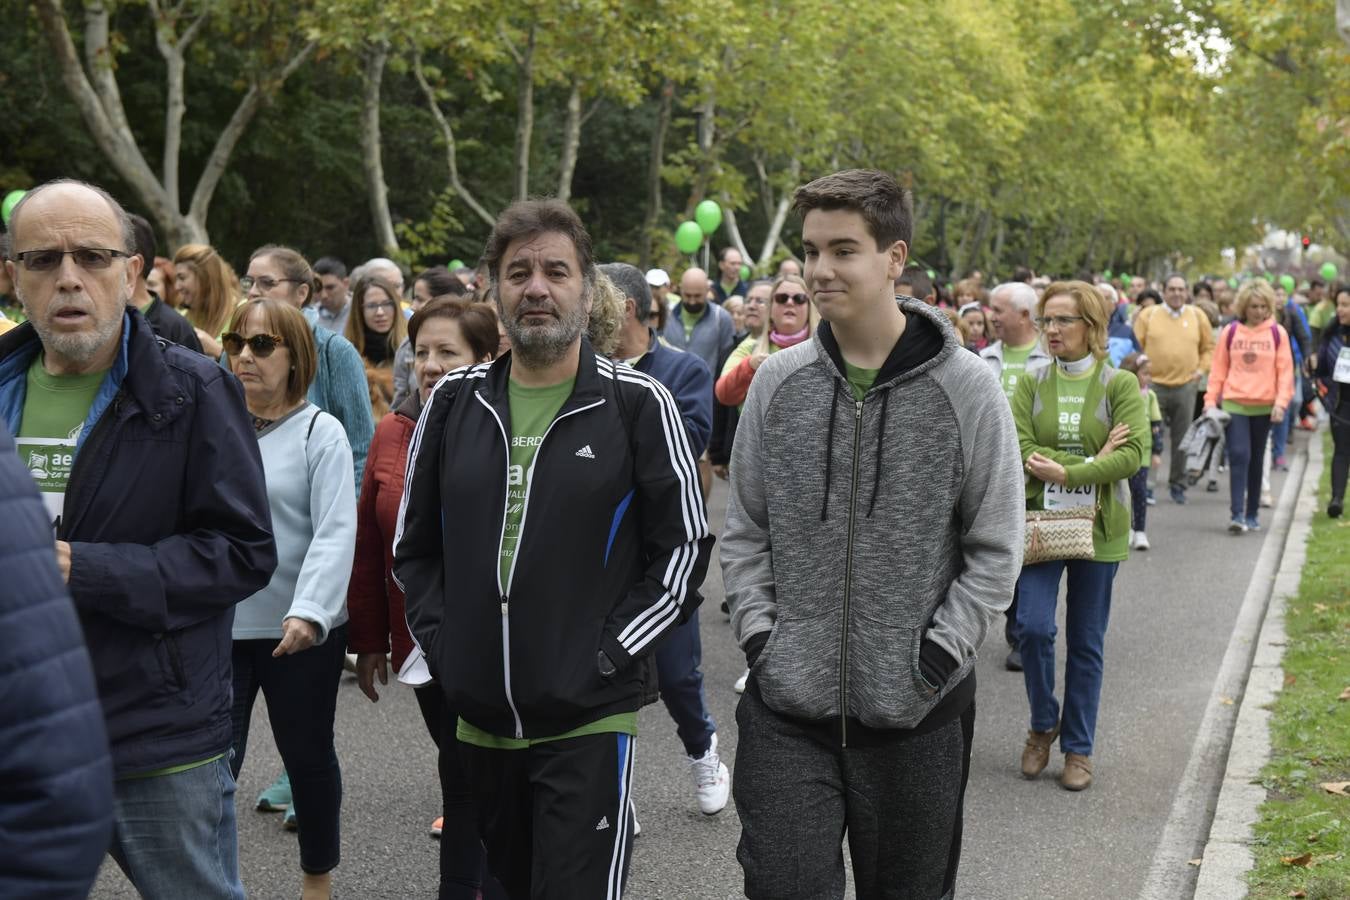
(829, 447)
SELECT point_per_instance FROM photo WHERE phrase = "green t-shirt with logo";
(1072, 399)
(1014, 366)
(690, 319)
(532, 412)
(54, 411)
(860, 379)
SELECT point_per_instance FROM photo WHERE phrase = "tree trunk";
(656, 158)
(524, 117)
(448, 135)
(779, 218)
(733, 230)
(707, 138)
(372, 161)
(571, 142)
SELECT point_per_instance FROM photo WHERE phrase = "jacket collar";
(586, 390)
(899, 364)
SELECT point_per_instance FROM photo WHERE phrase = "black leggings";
(1340, 441)
(1139, 499)
(463, 862)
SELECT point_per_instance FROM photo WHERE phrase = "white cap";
(657, 277)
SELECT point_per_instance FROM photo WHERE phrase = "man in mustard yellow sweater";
(1179, 344)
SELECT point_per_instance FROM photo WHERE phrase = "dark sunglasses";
(262, 345)
(799, 299)
(87, 258)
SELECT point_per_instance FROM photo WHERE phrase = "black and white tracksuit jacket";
(613, 546)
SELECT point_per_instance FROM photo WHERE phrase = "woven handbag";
(1059, 534)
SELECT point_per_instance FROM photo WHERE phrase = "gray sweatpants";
(1177, 405)
(897, 799)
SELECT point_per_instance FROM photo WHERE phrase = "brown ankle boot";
(1036, 753)
(1077, 773)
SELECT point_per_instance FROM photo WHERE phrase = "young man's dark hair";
(531, 217)
(330, 265)
(1023, 274)
(145, 242)
(886, 207)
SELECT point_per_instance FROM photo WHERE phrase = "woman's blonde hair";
(1251, 290)
(1092, 307)
(288, 323)
(217, 292)
(608, 307)
(356, 319)
(762, 343)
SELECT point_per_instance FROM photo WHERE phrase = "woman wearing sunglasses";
(1082, 426)
(792, 319)
(376, 329)
(290, 637)
(446, 334)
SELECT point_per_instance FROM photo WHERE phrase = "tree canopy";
(1061, 134)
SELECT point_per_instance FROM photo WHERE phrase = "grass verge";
(1302, 839)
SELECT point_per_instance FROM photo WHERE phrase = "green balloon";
(745, 272)
(454, 264)
(931, 274)
(708, 216)
(1329, 271)
(689, 236)
(1107, 274)
(1270, 276)
(1287, 282)
(7, 206)
(1124, 278)
(1233, 283)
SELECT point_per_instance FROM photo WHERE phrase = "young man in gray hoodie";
(874, 533)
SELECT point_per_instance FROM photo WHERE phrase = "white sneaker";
(712, 781)
(1266, 500)
(1140, 541)
(637, 827)
(739, 686)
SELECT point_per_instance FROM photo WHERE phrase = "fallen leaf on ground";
(1314, 838)
(1303, 859)
(1345, 694)
(1290, 680)
(1298, 893)
(1195, 862)
(1336, 787)
(1320, 607)
(1226, 701)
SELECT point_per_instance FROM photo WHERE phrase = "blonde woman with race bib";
(1081, 425)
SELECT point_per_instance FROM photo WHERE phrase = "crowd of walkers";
(491, 485)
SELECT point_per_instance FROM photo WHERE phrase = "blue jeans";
(678, 659)
(1088, 609)
(1279, 431)
(301, 691)
(1246, 437)
(174, 835)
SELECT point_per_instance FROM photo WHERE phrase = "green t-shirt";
(532, 412)
(690, 319)
(54, 411)
(1014, 364)
(1072, 399)
(1321, 314)
(861, 380)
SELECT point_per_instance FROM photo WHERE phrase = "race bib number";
(1342, 371)
(1060, 497)
(49, 461)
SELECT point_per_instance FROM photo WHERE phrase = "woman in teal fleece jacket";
(1081, 425)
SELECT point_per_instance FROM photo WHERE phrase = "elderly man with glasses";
(145, 457)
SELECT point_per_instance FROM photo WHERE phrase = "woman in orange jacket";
(1252, 379)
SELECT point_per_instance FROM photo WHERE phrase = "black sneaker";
(1335, 508)
(1178, 494)
(1014, 661)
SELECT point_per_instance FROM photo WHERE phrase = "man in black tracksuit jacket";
(552, 532)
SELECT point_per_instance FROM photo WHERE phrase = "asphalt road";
(1173, 611)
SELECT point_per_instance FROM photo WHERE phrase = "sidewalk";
(1227, 856)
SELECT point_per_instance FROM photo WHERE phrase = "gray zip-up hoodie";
(859, 531)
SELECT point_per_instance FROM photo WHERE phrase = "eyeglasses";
(799, 299)
(382, 306)
(1044, 322)
(262, 345)
(91, 259)
(264, 282)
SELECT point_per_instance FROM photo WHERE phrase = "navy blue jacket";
(688, 379)
(55, 775)
(166, 514)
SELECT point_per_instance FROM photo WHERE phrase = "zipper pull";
(504, 605)
(858, 404)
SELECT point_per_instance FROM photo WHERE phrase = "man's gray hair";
(123, 219)
(369, 267)
(633, 285)
(1020, 294)
(1109, 292)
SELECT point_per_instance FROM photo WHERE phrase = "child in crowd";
(1140, 493)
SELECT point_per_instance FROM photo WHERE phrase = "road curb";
(1228, 856)
(1188, 831)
